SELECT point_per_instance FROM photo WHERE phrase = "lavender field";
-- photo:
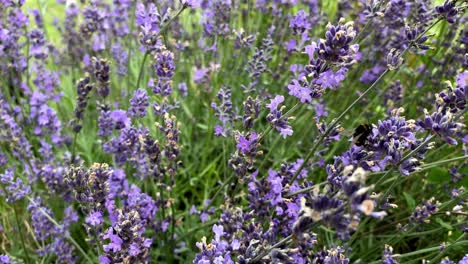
(234, 131)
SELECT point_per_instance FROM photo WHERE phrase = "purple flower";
(336, 48)
(193, 210)
(462, 81)
(95, 218)
(370, 75)
(105, 121)
(191, 3)
(56, 232)
(300, 92)
(138, 103)
(224, 111)
(119, 117)
(330, 79)
(15, 189)
(183, 89)
(247, 144)
(204, 217)
(464, 260)
(443, 125)
(218, 130)
(276, 118)
(300, 22)
(447, 10)
(164, 64)
(115, 244)
(423, 212)
(388, 256)
(101, 72)
(219, 231)
(275, 102)
(148, 17)
(104, 260)
(200, 74)
(5, 259)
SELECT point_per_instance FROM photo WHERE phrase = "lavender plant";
(231, 131)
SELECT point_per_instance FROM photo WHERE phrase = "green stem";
(72, 161)
(279, 244)
(166, 26)
(20, 231)
(305, 190)
(427, 140)
(332, 125)
(52, 220)
(428, 165)
(130, 42)
(422, 251)
(140, 73)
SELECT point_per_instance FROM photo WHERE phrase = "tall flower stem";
(426, 141)
(73, 241)
(20, 231)
(142, 66)
(409, 155)
(130, 42)
(147, 53)
(422, 251)
(279, 244)
(333, 124)
(73, 152)
(427, 165)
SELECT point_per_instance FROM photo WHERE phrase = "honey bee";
(361, 133)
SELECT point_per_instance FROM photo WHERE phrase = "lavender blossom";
(138, 103)
(300, 22)
(14, 190)
(447, 10)
(276, 118)
(101, 73)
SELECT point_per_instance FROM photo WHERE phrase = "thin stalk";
(422, 251)
(72, 161)
(332, 125)
(429, 165)
(173, 241)
(130, 42)
(224, 161)
(426, 141)
(435, 164)
(88, 258)
(442, 252)
(305, 190)
(204, 225)
(221, 188)
(140, 72)
(279, 244)
(270, 128)
(148, 52)
(20, 231)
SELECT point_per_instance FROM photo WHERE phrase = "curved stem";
(140, 72)
(266, 252)
(332, 125)
(28, 260)
(130, 42)
(69, 237)
(166, 26)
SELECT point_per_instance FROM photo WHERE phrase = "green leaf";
(444, 224)
(409, 200)
(438, 175)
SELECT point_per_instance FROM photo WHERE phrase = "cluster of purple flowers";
(107, 150)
